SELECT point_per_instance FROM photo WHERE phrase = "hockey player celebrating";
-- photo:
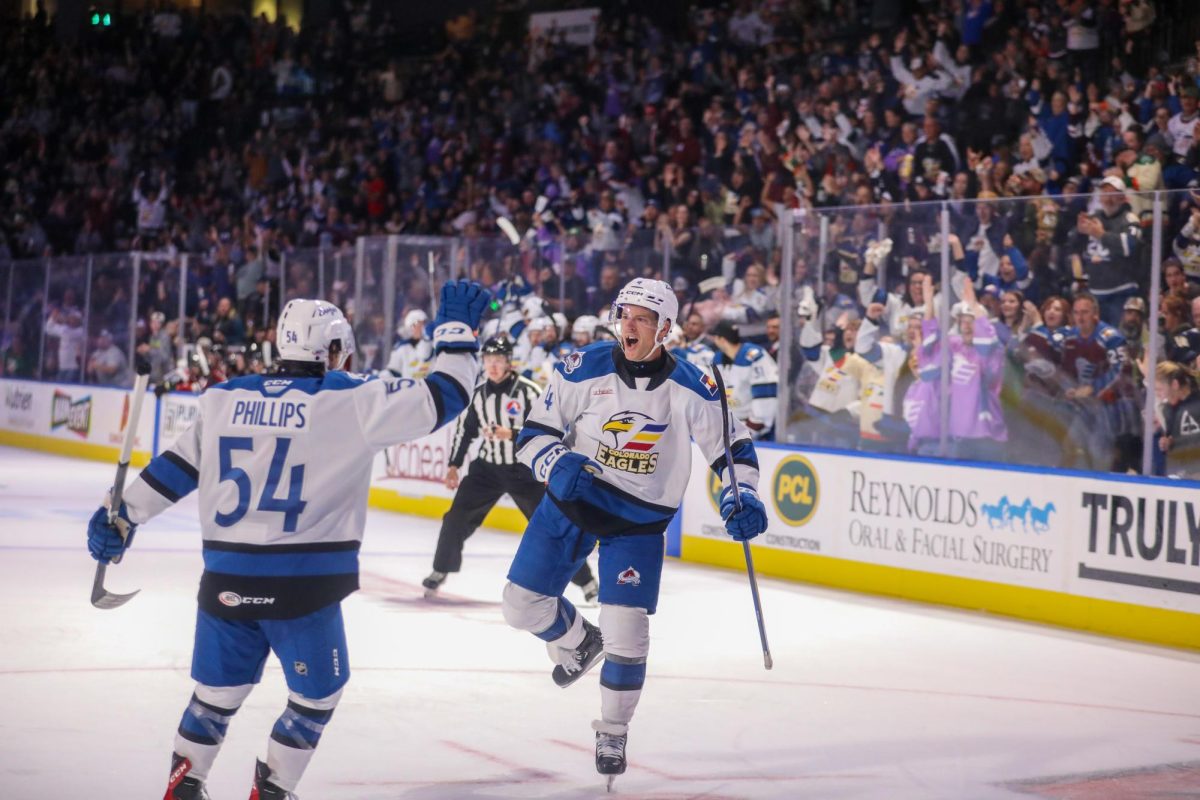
(283, 465)
(411, 355)
(497, 412)
(612, 438)
(752, 377)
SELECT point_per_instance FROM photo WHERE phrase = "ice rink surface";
(869, 698)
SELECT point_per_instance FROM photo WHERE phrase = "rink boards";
(1109, 554)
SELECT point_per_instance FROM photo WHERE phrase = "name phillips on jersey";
(269, 414)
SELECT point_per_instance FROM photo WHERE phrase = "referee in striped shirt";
(497, 412)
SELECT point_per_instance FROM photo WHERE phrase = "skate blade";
(431, 594)
(611, 779)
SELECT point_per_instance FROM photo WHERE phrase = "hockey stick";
(737, 505)
(101, 597)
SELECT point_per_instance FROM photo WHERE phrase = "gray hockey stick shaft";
(726, 424)
(101, 597)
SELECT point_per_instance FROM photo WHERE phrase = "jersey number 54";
(290, 506)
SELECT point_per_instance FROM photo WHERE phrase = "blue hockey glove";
(571, 476)
(104, 538)
(462, 301)
(750, 521)
(461, 307)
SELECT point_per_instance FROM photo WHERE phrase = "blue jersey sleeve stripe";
(166, 478)
(448, 397)
(538, 428)
(743, 453)
(761, 390)
(261, 564)
(184, 466)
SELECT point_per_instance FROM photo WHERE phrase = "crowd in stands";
(1042, 126)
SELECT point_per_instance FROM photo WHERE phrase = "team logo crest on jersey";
(630, 576)
(635, 435)
(513, 408)
(572, 362)
(709, 383)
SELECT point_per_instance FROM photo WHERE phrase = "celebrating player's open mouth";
(638, 326)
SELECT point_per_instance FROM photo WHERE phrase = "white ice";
(869, 698)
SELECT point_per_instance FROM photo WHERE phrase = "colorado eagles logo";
(631, 453)
(572, 362)
(631, 577)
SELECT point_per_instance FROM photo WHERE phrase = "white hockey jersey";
(752, 381)
(411, 358)
(639, 428)
(283, 465)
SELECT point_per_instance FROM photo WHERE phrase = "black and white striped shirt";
(507, 403)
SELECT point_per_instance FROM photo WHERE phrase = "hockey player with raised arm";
(611, 436)
(283, 465)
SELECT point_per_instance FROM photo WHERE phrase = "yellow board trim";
(505, 519)
(1108, 617)
(63, 447)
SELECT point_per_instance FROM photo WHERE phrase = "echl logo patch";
(572, 362)
(513, 408)
(630, 576)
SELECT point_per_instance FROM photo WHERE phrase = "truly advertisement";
(1139, 539)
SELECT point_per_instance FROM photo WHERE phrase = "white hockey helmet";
(309, 329)
(584, 326)
(648, 293)
(532, 307)
(415, 317)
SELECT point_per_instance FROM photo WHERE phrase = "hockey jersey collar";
(657, 371)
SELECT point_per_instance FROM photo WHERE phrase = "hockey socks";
(295, 737)
(205, 721)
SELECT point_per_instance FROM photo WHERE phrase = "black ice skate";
(181, 786)
(264, 789)
(582, 658)
(433, 583)
(610, 749)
